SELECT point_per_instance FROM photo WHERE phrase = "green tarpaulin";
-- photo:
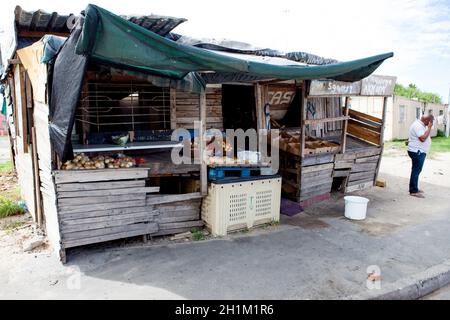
(104, 38)
(110, 39)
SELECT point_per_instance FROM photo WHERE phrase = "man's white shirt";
(416, 130)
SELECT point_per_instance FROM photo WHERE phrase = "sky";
(417, 31)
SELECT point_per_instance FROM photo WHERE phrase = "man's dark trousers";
(418, 158)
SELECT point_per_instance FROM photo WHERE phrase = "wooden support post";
(85, 126)
(23, 105)
(259, 107)
(202, 145)
(303, 103)
(265, 100)
(383, 124)
(344, 128)
(37, 182)
(173, 108)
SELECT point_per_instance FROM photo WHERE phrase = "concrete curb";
(412, 287)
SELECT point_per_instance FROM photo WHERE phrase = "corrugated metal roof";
(159, 24)
(42, 21)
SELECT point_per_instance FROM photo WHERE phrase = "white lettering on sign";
(280, 97)
(333, 87)
(328, 87)
(378, 86)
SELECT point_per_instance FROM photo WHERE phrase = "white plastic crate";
(240, 205)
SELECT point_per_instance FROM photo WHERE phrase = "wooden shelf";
(129, 146)
(317, 121)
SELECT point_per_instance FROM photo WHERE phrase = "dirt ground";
(436, 169)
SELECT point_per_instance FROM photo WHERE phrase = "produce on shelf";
(82, 162)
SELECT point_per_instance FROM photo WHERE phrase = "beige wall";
(411, 107)
(397, 127)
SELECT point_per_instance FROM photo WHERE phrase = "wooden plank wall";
(47, 187)
(187, 106)
(325, 108)
(103, 205)
(364, 127)
(357, 167)
(23, 155)
(306, 178)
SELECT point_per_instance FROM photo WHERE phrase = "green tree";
(411, 91)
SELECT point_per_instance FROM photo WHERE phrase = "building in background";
(400, 113)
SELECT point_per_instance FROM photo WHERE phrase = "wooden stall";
(120, 180)
(335, 147)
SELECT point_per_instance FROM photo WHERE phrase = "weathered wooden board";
(150, 214)
(103, 193)
(369, 152)
(148, 229)
(361, 176)
(129, 220)
(70, 176)
(187, 215)
(316, 192)
(280, 97)
(319, 167)
(368, 159)
(375, 85)
(168, 208)
(100, 185)
(362, 133)
(322, 184)
(315, 174)
(187, 106)
(168, 198)
(319, 159)
(341, 173)
(334, 88)
(371, 127)
(65, 202)
(358, 167)
(364, 117)
(343, 164)
(63, 216)
(145, 228)
(316, 180)
(101, 206)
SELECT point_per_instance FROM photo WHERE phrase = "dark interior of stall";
(238, 104)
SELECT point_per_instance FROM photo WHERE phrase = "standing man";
(418, 146)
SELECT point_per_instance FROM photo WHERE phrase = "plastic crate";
(238, 205)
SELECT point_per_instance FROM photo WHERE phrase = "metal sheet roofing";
(54, 22)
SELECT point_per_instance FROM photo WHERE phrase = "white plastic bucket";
(355, 207)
